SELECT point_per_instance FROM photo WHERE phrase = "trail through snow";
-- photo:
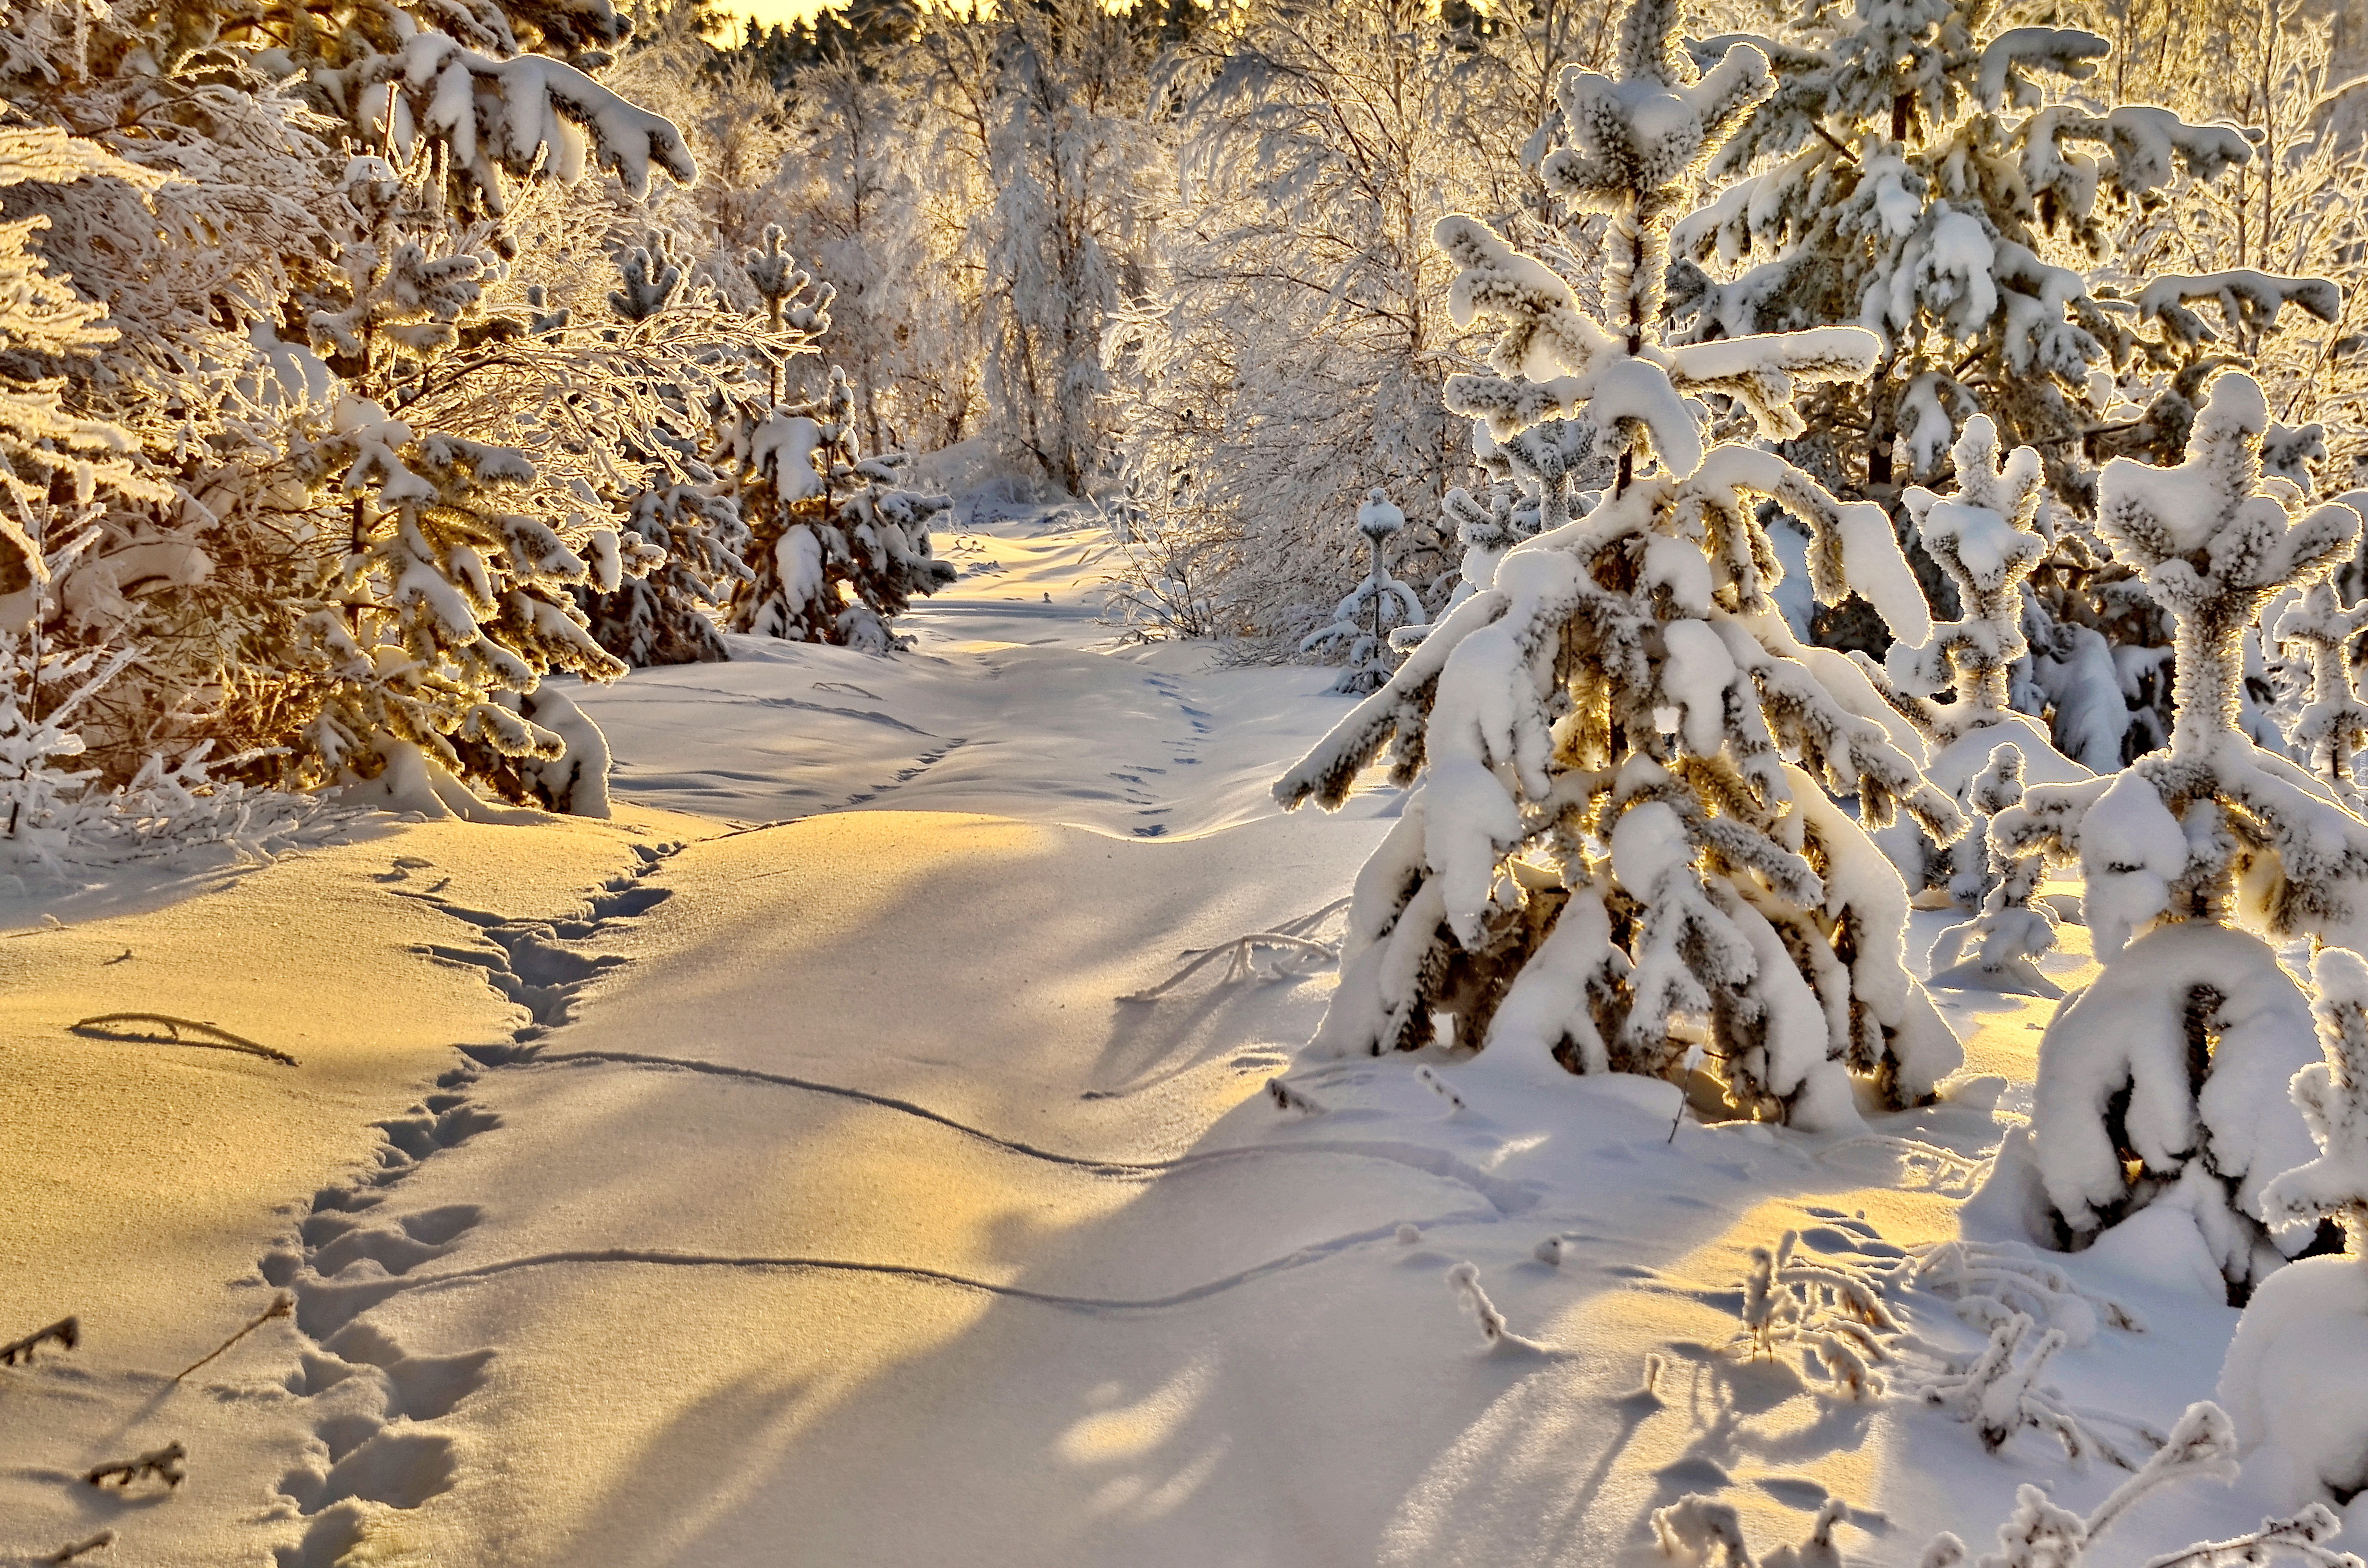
(816, 1199)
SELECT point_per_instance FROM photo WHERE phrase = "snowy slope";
(808, 1192)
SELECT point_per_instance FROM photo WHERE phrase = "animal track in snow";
(372, 1402)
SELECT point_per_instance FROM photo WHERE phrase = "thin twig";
(163, 1463)
(66, 1333)
(68, 1554)
(281, 1305)
(96, 1028)
(1833, 141)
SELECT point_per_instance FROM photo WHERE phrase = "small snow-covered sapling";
(2189, 841)
(1626, 681)
(1380, 599)
(2334, 727)
(2333, 1098)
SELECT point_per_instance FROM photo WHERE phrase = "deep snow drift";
(805, 1189)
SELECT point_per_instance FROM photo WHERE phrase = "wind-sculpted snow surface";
(1607, 852)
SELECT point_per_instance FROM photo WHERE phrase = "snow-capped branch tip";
(2069, 52)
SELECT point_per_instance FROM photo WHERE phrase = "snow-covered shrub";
(1292, 347)
(58, 821)
(2296, 1378)
(1609, 854)
(1379, 596)
(2176, 1101)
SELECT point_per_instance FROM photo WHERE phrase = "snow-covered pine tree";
(1380, 599)
(666, 615)
(2295, 1380)
(452, 596)
(353, 555)
(1608, 857)
(1984, 751)
(1942, 178)
(2177, 1102)
(837, 545)
(1913, 177)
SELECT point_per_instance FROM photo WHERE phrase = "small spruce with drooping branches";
(1610, 856)
(2179, 1099)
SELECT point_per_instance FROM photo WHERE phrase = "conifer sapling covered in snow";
(837, 545)
(2330, 731)
(1381, 600)
(1609, 853)
(2164, 1083)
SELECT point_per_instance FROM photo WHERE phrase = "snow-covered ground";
(806, 1189)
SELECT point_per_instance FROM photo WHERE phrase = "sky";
(769, 12)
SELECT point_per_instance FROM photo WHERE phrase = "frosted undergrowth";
(59, 824)
(1844, 1309)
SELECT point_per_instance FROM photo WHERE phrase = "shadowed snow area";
(1015, 701)
(806, 1189)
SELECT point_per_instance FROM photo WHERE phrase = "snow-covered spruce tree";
(1915, 173)
(1984, 751)
(453, 597)
(2163, 1082)
(1609, 858)
(2295, 1382)
(282, 597)
(666, 615)
(1380, 599)
(837, 545)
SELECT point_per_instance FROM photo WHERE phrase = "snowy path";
(819, 1201)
